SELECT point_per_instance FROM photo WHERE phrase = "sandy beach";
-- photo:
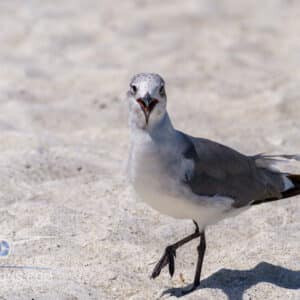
(74, 227)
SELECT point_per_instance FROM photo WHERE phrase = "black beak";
(147, 104)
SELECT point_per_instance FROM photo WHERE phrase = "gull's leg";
(170, 253)
(201, 251)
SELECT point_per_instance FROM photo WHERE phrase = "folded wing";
(220, 170)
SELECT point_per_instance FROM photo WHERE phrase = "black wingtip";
(294, 191)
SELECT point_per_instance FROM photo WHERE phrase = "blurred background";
(232, 70)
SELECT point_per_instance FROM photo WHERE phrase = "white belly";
(158, 181)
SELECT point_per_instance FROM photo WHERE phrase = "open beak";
(147, 104)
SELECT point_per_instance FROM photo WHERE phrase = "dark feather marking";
(220, 170)
(294, 191)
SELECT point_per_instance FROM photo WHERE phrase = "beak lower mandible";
(147, 99)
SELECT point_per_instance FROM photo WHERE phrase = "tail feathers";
(294, 191)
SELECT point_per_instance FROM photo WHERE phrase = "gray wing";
(220, 170)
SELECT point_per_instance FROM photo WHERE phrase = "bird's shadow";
(235, 282)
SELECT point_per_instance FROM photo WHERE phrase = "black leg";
(170, 253)
(201, 251)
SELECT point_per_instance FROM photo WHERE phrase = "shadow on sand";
(234, 282)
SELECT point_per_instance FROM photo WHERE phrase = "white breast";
(157, 175)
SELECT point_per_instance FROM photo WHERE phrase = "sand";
(74, 227)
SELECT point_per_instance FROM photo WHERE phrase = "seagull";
(193, 178)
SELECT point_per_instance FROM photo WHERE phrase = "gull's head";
(147, 100)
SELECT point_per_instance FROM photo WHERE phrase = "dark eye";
(133, 89)
(162, 90)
